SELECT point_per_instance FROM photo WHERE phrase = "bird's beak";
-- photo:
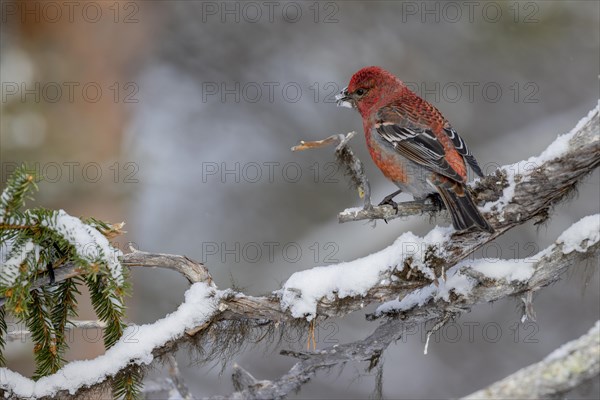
(344, 100)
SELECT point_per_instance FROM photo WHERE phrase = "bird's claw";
(387, 201)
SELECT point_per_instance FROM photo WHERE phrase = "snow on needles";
(303, 290)
(556, 149)
(90, 244)
(10, 267)
(136, 344)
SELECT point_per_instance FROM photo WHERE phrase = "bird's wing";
(411, 132)
(463, 150)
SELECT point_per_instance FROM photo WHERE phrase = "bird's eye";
(360, 92)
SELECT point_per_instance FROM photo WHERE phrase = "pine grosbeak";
(413, 144)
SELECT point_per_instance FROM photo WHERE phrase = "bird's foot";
(389, 200)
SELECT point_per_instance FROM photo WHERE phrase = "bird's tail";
(463, 210)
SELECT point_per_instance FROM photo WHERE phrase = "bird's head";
(367, 88)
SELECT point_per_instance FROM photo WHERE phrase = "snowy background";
(199, 105)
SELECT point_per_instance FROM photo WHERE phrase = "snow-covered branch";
(138, 346)
(483, 281)
(561, 371)
(420, 279)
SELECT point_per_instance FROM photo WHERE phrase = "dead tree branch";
(562, 371)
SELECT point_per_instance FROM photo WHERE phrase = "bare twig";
(175, 375)
(192, 270)
(243, 380)
(317, 144)
(345, 156)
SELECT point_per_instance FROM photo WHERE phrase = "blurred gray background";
(200, 103)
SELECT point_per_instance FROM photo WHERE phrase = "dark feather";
(419, 145)
(463, 150)
(463, 210)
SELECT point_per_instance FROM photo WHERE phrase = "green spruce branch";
(35, 242)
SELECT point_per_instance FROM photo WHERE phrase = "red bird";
(414, 146)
